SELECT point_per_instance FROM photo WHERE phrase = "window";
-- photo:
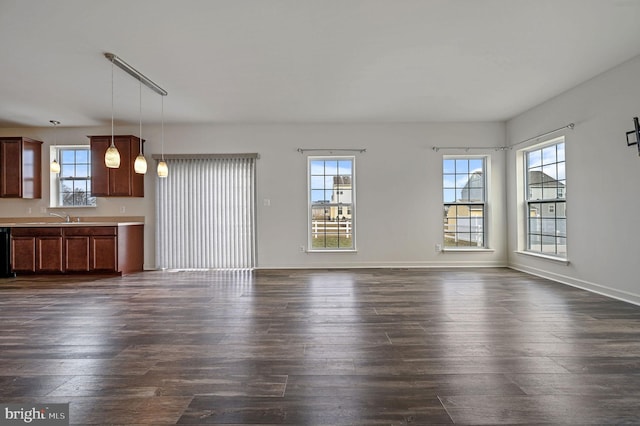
(72, 186)
(545, 199)
(331, 203)
(464, 194)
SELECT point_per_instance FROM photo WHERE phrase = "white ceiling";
(239, 61)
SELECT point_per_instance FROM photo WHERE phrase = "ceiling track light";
(140, 164)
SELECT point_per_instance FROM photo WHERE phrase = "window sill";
(72, 207)
(467, 250)
(544, 256)
(332, 251)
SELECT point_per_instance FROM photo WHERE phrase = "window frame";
(484, 204)
(57, 180)
(551, 203)
(350, 208)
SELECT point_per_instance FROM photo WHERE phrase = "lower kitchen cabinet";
(108, 249)
(36, 250)
(89, 249)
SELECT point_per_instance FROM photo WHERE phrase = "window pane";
(67, 156)
(449, 195)
(317, 167)
(82, 170)
(331, 168)
(449, 181)
(462, 166)
(549, 154)
(67, 170)
(345, 167)
(317, 182)
(82, 156)
(476, 164)
(560, 152)
(534, 159)
(449, 166)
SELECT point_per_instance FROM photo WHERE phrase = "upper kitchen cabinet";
(120, 182)
(20, 167)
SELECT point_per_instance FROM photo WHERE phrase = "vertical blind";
(205, 213)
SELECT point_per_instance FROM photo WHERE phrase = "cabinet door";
(99, 172)
(76, 254)
(120, 178)
(104, 253)
(31, 169)
(49, 254)
(23, 254)
(11, 168)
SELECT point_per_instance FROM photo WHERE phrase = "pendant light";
(112, 156)
(163, 170)
(55, 166)
(140, 165)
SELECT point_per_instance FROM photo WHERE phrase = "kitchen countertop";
(63, 224)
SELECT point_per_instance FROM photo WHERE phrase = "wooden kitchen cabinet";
(120, 182)
(91, 249)
(20, 167)
(72, 249)
(36, 250)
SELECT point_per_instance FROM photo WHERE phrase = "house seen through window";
(72, 186)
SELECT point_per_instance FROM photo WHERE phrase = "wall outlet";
(301, 248)
(122, 209)
(266, 202)
(28, 210)
(438, 248)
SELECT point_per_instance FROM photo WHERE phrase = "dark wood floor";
(364, 347)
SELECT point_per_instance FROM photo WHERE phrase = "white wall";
(603, 178)
(399, 217)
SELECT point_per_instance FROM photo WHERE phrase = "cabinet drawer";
(90, 230)
(36, 232)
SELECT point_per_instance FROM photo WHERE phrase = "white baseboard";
(581, 284)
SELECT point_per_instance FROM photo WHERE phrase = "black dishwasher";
(5, 253)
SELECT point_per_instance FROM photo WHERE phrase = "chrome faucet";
(66, 217)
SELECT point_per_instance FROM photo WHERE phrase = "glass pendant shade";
(112, 157)
(140, 165)
(55, 167)
(163, 170)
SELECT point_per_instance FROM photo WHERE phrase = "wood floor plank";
(322, 347)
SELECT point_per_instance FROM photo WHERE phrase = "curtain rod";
(204, 156)
(569, 126)
(303, 150)
(135, 73)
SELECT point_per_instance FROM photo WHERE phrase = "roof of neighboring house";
(342, 180)
(538, 178)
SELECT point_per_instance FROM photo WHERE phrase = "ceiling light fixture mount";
(135, 73)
